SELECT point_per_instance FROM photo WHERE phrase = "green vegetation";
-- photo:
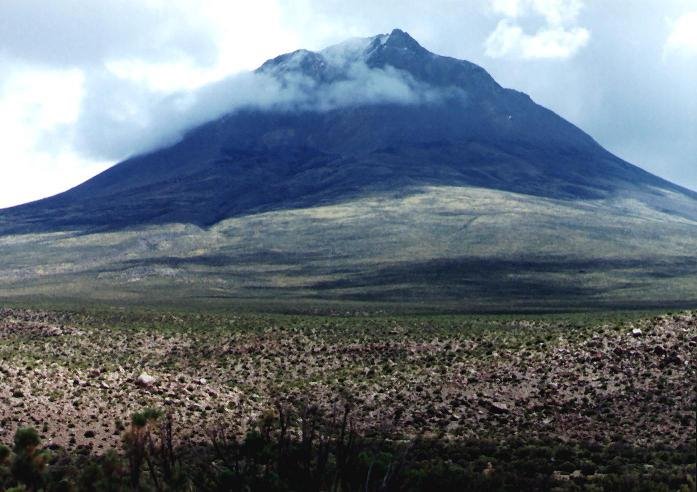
(299, 448)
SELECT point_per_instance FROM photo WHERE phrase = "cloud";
(683, 37)
(119, 118)
(27, 110)
(166, 44)
(509, 8)
(558, 12)
(83, 32)
(555, 12)
(555, 42)
(61, 59)
(560, 38)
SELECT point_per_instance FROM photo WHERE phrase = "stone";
(145, 379)
(495, 406)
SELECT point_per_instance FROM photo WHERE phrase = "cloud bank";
(683, 36)
(120, 118)
(558, 38)
(75, 33)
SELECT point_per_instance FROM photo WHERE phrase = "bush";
(4, 454)
(302, 447)
(26, 439)
(29, 463)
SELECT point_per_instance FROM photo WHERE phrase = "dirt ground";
(76, 378)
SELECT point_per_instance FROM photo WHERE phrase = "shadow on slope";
(557, 281)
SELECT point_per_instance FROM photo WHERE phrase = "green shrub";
(25, 439)
(29, 463)
(4, 454)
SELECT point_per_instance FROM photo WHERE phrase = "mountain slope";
(465, 131)
(458, 248)
(385, 173)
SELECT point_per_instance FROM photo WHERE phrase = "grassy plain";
(445, 249)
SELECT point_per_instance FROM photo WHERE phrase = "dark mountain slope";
(472, 132)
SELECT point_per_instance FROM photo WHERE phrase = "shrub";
(26, 439)
(29, 463)
(4, 454)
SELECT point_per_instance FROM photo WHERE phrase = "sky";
(85, 84)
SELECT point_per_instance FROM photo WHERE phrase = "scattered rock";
(145, 379)
(495, 406)
(579, 388)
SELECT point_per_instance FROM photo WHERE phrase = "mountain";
(256, 160)
(484, 193)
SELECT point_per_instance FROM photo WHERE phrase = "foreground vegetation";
(120, 400)
(299, 448)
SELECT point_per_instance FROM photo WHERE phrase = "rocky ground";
(77, 377)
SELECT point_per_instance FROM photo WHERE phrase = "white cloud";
(32, 175)
(509, 8)
(79, 32)
(557, 12)
(28, 108)
(63, 58)
(683, 37)
(560, 38)
(120, 118)
(34, 102)
(552, 42)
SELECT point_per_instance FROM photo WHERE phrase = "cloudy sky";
(84, 83)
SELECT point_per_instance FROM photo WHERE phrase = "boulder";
(495, 406)
(145, 379)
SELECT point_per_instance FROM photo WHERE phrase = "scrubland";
(122, 399)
